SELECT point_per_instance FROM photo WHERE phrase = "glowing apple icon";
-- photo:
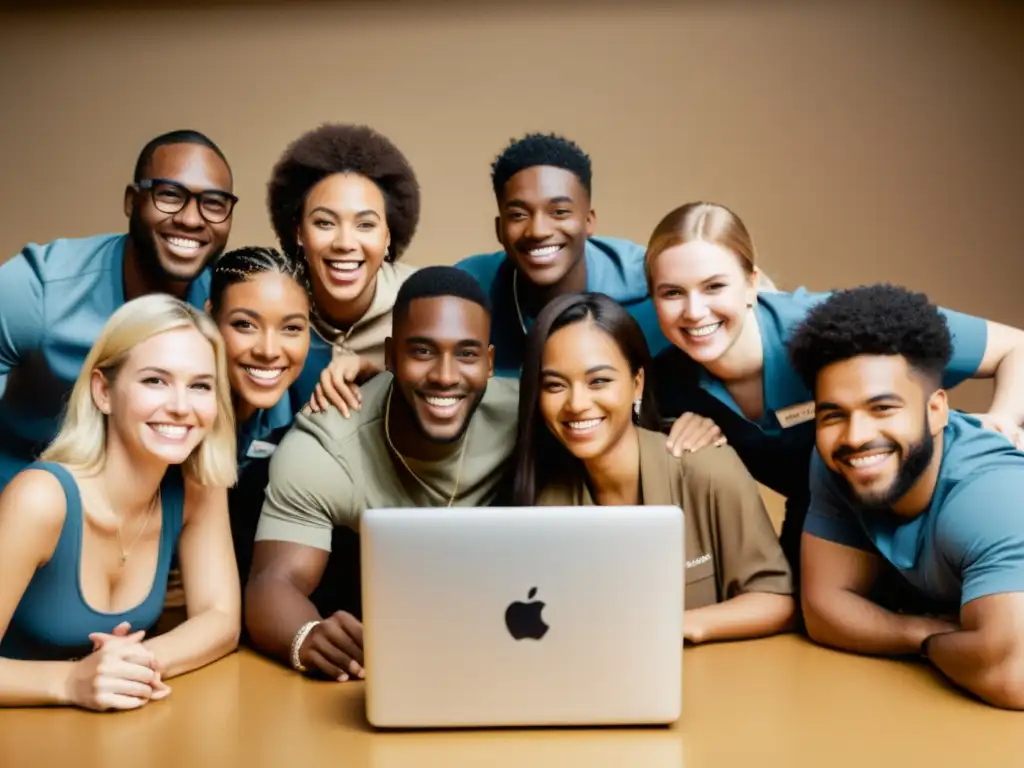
(524, 620)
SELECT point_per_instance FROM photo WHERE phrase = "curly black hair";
(437, 281)
(339, 148)
(535, 149)
(881, 319)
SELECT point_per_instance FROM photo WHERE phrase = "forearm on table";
(33, 683)
(196, 642)
(751, 614)
(991, 669)
(275, 609)
(850, 622)
(1008, 392)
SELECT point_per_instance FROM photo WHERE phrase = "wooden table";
(774, 702)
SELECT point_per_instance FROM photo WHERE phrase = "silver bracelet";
(297, 641)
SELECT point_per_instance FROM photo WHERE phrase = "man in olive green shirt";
(435, 430)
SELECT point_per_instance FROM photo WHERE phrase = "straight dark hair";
(539, 455)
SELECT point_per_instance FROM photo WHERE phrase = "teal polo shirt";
(776, 448)
(259, 435)
(969, 541)
(615, 267)
(258, 438)
(54, 301)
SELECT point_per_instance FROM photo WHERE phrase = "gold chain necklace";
(515, 298)
(401, 458)
(153, 504)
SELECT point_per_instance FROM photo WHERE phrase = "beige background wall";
(859, 141)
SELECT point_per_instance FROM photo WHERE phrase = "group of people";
(189, 434)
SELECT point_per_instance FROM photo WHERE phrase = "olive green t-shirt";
(328, 469)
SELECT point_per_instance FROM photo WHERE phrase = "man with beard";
(55, 298)
(546, 227)
(433, 430)
(902, 483)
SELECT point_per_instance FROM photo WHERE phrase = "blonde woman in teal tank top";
(139, 469)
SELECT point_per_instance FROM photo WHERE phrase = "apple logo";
(524, 620)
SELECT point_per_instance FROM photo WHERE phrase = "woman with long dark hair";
(588, 435)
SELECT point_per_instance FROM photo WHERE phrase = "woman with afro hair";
(346, 200)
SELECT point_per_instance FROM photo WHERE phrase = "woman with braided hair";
(258, 299)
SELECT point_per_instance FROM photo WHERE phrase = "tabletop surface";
(774, 702)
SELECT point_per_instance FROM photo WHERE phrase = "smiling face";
(265, 324)
(162, 401)
(544, 221)
(441, 358)
(702, 296)
(178, 246)
(344, 235)
(587, 390)
(876, 422)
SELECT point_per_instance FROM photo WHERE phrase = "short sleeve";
(828, 516)
(308, 494)
(749, 555)
(981, 532)
(21, 311)
(970, 335)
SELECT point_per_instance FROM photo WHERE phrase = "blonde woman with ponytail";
(139, 469)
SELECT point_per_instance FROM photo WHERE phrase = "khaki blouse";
(731, 545)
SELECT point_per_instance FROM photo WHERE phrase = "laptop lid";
(522, 616)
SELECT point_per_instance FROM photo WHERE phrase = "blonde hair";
(82, 439)
(709, 222)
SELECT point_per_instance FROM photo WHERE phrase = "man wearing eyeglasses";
(55, 298)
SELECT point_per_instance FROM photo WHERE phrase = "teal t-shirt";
(54, 301)
(615, 267)
(776, 449)
(968, 543)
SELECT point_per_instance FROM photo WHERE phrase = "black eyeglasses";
(170, 197)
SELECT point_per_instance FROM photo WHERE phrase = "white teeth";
(442, 402)
(345, 266)
(704, 330)
(266, 374)
(547, 250)
(586, 424)
(184, 242)
(174, 431)
(868, 461)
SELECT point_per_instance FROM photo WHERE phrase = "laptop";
(529, 616)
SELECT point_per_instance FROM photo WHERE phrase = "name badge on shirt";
(260, 449)
(795, 414)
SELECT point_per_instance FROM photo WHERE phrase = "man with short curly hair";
(546, 226)
(345, 199)
(900, 481)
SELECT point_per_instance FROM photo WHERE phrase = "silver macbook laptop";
(525, 616)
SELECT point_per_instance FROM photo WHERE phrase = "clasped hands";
(120, 673)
